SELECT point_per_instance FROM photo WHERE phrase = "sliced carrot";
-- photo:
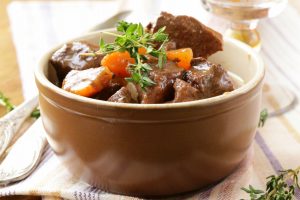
(87, 82)
(142, 51)
(182, 57)
(117, 62)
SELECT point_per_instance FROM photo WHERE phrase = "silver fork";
(24, 155)
(10, 123)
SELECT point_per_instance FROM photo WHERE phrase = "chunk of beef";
(186, 32)
(185, 91)
(151, 59)
(68, 58)
(122, 96)
(210, 79)
(198, 61)
(149, 27)
(113, 86)
(164, 79)
(170, 46)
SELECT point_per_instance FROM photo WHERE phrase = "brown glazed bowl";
(155, 149)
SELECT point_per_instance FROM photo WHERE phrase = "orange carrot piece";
(142, 51)
(117, 62)
(182, 57)
(87, 82)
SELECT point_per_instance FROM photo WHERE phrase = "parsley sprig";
(131, 37)
(281, 187)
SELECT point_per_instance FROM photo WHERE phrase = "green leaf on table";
(278, 187)
(4, 101)
(263, 117)
(36, 113)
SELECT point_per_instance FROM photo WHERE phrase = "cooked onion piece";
(87, 82)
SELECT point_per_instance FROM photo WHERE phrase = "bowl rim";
(257, 78)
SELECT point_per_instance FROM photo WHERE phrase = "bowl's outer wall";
(150, 152)
(152, 158)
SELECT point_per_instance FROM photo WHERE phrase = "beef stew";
(169, 70)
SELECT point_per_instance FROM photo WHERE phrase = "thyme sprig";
(35, 113)
(263, 117)
(280, 187)
(4, 101)
(131, 37)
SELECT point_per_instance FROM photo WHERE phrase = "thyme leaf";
(131, 37)
(263, 117)
(4, 101)
(35, 113)
(281, 187)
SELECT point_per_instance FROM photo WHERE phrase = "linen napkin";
(276, 145)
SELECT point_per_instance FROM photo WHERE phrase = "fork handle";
(10, 123)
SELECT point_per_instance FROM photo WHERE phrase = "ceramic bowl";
(156, 149)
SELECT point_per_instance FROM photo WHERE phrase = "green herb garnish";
(4, 101)
(280, 187)
(131, 37)
(35, 113)
(263, 117)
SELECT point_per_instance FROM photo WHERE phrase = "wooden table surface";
(10, 83)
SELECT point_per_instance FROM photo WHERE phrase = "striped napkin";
(276, 146)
